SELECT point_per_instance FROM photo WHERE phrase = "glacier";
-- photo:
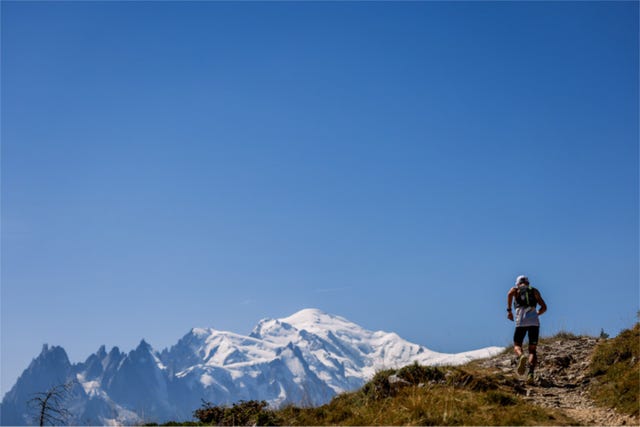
(304, 359)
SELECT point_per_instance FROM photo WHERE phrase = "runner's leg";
(534, 332)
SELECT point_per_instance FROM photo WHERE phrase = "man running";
(526, 299)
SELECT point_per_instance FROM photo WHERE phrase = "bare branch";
(49, 405)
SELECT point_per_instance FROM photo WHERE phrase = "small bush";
(565, 335)
(416, 374)
(379, 387)
(243, 413)
(500, 398)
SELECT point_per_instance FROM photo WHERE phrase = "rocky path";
(562, 381)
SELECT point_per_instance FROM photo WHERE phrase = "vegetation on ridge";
(413, 395)
(423, 395)
(615, 366)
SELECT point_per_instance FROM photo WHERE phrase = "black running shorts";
(521, 331)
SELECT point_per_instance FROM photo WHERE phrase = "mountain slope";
(50, 368)
(305, 359)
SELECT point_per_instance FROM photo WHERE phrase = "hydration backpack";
(525, 296)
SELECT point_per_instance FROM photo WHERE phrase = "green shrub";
(616, 367)
(416, 374)
(379, 387)
(563, 335)
(500, 398)
(243, 413)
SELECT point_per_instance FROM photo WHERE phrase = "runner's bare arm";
(543, 305)
(510, 295)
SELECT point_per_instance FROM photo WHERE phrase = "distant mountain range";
(304, 359)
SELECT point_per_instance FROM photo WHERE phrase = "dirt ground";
(562, 381)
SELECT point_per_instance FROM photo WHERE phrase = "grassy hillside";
(413, 395)
(418, 395)
(615, 367)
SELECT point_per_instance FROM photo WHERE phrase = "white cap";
(522, 279)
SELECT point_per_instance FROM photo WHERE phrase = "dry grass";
(434, 405)
(616, 368)
(456, 396)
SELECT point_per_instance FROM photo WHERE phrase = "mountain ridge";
(306, 359)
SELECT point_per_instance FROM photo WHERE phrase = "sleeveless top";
(526, 314)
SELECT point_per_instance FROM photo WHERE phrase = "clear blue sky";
(175, 165)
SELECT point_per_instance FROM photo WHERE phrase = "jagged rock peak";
(143, 345)
(102, 352)
(53, 352)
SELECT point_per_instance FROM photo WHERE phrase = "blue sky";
(175, 165)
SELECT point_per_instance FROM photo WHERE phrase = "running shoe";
(530, 378)
(522, 364)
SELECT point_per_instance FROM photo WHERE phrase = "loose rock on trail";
(562, 380)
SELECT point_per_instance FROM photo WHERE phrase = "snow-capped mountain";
(306, 358)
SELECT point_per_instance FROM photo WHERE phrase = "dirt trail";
(562, 381)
